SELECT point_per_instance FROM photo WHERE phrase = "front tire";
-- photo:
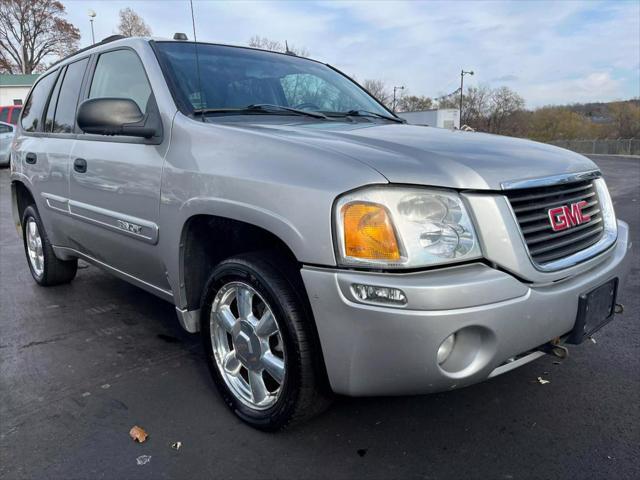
(260, 343)
(46, 269)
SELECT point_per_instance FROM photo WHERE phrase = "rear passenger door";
(59, 134)
(115, 180)
(42, 161)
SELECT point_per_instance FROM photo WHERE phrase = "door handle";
(80, 165)
(31, 158)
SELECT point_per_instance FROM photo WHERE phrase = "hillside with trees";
(502, 111)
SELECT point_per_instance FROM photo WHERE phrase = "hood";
(411, 154)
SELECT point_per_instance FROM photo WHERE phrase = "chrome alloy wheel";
(34, 247)
(247, 345)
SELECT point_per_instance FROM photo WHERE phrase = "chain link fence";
(628, 146)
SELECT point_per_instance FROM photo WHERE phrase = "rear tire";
(46, 269)
(227, 326)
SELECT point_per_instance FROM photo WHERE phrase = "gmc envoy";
(317, 242)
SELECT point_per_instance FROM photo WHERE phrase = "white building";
(441, 118)
(14, 88)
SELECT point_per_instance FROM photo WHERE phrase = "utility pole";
(92, 15)
(393, 109)
(462, 74)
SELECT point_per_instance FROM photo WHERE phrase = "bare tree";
(414, 103)
(264, 43)
(451, 100)
(504, 103)
(32, 32)
(132, 25)
(476, 104)
(379, 90)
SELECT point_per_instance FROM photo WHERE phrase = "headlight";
(402, 227)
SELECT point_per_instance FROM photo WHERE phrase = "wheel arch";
(206, 240)
(21, 198)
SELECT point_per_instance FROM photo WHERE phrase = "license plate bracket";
(595, 309)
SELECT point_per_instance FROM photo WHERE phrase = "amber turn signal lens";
(368, 232)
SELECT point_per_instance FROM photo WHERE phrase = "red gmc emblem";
(568, 216)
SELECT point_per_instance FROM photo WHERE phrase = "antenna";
(287, 51)
(195, 45)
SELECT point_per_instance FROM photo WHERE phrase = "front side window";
(235, 78)
(34, 109)
(120, 74)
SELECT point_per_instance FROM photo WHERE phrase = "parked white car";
(6, 137)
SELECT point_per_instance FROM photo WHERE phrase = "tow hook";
(556, 350)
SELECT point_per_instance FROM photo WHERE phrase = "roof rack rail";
(109, 39)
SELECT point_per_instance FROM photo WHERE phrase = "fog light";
(446, 348)
(384, 295)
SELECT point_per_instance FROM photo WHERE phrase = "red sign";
(568, 216)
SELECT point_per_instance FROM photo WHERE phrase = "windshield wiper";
(366, 113)
(260, 108)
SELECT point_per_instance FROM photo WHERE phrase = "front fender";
(284, 187)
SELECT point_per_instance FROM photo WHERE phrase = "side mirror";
(113, 116)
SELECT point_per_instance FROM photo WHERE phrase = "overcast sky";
(548, 51)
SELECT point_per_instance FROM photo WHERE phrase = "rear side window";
(4, 114)
(65, 112)
(120, 74)
(5, 129)
(51, 109)
(34, 108)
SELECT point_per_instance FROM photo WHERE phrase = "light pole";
(92, 15)
(393, 109)
(462, 74)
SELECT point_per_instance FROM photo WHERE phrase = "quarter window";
(34, 109)
(120, 74)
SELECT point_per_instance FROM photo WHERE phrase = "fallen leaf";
(138, 434)
(542, 381)
(176, 445)
(142, 459)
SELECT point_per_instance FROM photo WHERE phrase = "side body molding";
(134, 227)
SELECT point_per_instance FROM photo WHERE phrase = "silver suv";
(318, 243)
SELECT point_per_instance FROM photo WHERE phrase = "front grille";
(531, 207)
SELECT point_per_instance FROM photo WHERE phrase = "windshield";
(236, 78)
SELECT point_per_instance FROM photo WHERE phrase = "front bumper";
(379, 350)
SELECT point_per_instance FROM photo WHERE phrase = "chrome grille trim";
(549, 250)
(550, 181)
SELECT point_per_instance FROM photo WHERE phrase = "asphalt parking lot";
(81, 364)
